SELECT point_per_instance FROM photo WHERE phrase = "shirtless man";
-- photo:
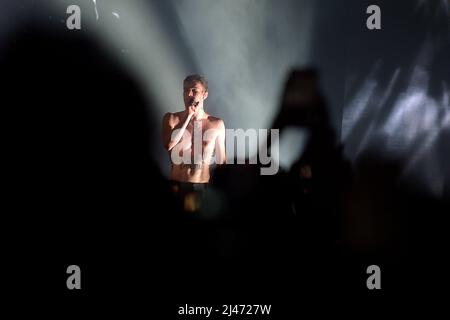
(193, 135)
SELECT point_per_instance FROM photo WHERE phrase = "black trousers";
(189, 195)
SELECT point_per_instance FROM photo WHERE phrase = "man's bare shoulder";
(216, 122)
(178, 114)
(172, 117)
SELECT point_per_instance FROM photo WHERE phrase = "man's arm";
(167, 128)
(220, 144)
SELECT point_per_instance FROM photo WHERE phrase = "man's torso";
(196, 149)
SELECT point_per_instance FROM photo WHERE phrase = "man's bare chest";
(199, 133)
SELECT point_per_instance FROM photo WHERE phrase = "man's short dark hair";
(196, 78)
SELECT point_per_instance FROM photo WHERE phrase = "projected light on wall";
(405, 123)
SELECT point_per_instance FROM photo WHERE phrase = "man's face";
(194, 94)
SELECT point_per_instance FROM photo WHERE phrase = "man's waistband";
(182, 185)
